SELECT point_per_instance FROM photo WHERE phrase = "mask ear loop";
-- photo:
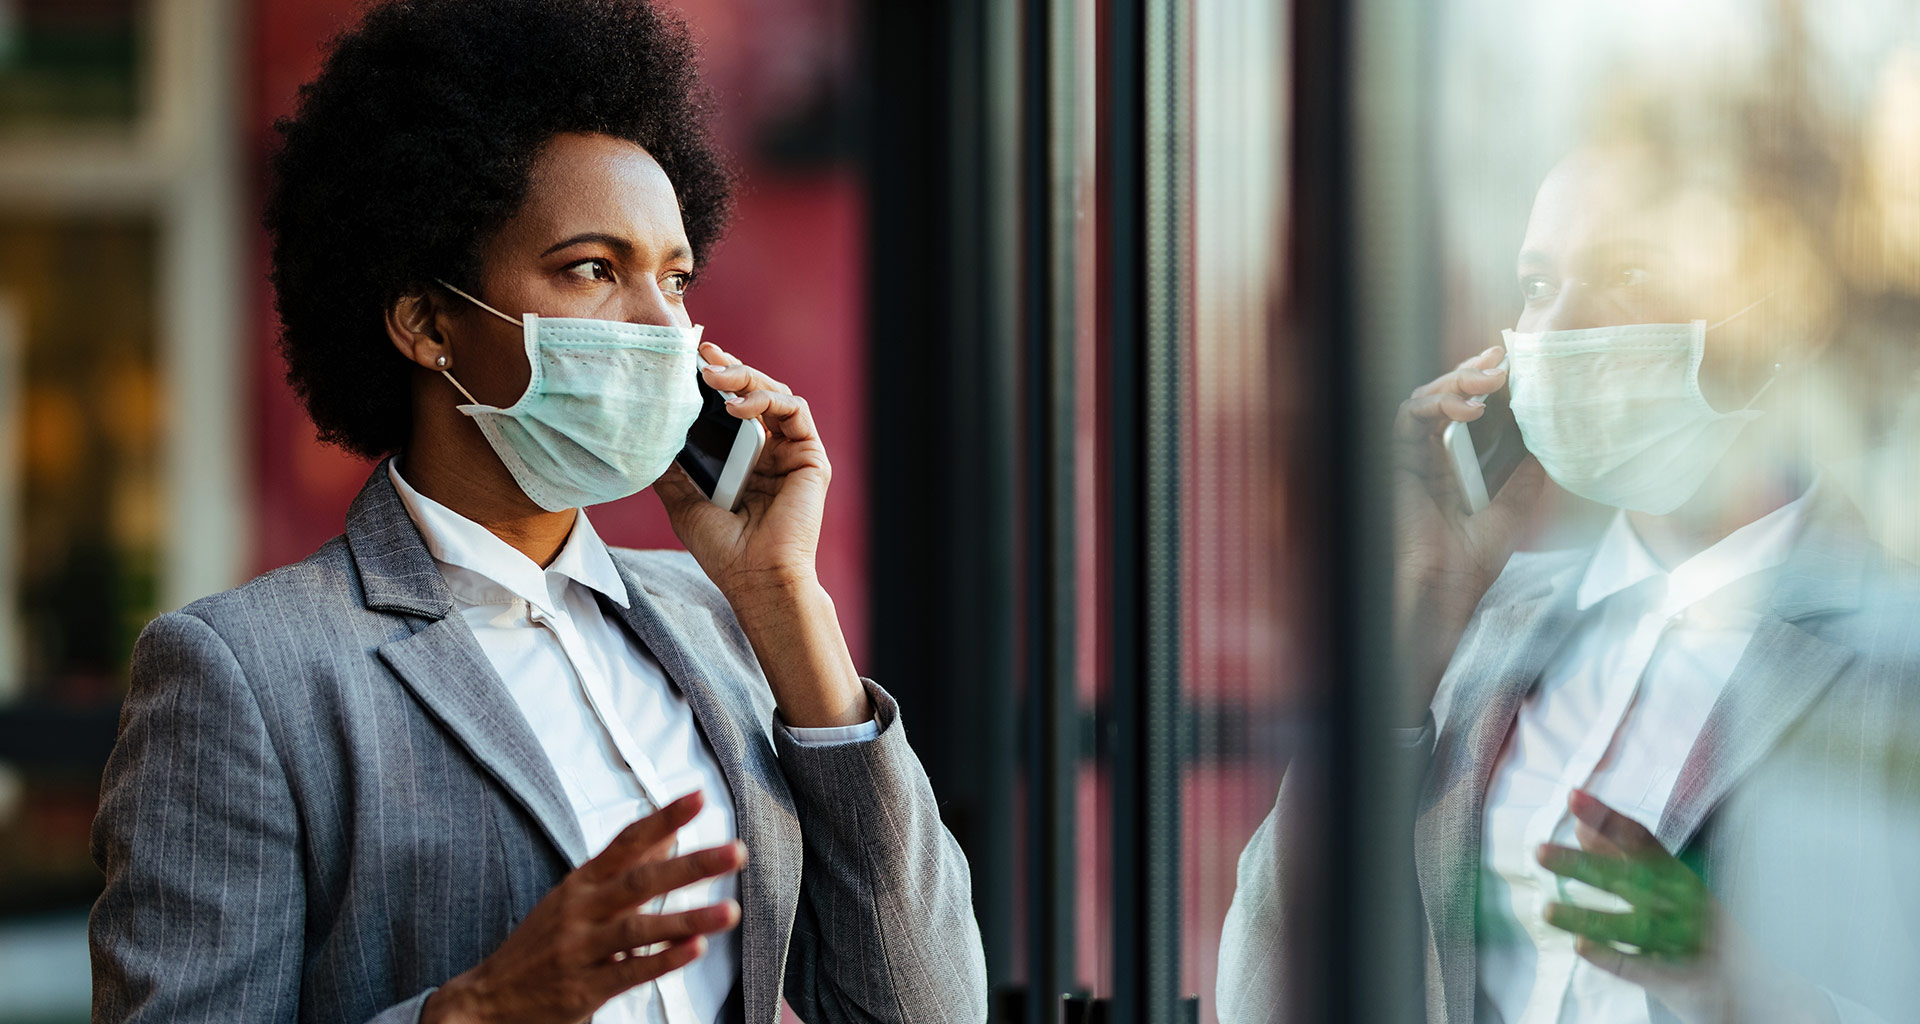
(1722, 322)
(517, 323)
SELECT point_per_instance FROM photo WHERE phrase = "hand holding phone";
(1462, 491)
(1485, 452)
(721, 450)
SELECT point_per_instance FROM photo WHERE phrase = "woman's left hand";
(1679, 942)
(770, 544)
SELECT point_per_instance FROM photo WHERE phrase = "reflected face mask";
(607, 408)
(1615, 414)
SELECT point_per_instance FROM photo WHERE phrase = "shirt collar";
(1622, 560)
(453, 539)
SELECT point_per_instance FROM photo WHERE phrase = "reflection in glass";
(1668, 661)
(1667, 668)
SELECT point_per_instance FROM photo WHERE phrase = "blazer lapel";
(763, 807)
(1784, 669)
(444, 666)
(1502, 659)
(447, 671)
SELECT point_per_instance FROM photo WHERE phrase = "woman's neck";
(1751, 482)
(457, 468)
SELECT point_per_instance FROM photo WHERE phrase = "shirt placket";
(1557, 959)
(675, 1004)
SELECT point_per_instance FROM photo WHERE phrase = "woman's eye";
(592, 270)
(1630, 277)
(1536, 288)
(677, 283)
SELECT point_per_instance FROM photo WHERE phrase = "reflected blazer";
(324, 803)
(1799, 802)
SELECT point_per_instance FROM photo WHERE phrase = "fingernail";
(714, 367)
(1477, 401)
(1494, 371)
(733, 399)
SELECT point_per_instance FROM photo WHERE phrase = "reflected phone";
(721, 450)
(1485, 452)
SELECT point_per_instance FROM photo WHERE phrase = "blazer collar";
(397, 573)
(764, 812)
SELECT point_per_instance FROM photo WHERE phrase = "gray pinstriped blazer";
(1799, 803)
(323, 803)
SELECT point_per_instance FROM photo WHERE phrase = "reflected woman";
(466, 762)
(1670, 776)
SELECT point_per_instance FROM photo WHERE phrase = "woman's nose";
(1578, 307)
(649, 305)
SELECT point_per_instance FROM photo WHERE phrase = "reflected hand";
(1445, 559)
(588, 940)
(1677, 941)
(771, 542)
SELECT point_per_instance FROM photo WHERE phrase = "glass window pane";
(1680, 237)
(1235, 635)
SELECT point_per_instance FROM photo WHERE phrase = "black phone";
(1486, 451)
(721, 449)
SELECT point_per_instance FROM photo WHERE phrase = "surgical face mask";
(607, 407)
(1615, 414)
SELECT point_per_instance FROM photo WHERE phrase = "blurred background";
(1102, 306)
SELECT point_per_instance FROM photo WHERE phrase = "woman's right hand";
(576, 950)
(1445, 559)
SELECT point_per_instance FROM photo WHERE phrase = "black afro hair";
(414, 144)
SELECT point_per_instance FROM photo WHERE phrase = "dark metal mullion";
(1047, 390)
(941, 511)
(1167, 199)
(1124, 199)
(1143, 200)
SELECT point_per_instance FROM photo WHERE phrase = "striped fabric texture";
(324, 803)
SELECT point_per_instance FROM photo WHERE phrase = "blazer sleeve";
(203, 913)
(1254, 951)
(884, 931)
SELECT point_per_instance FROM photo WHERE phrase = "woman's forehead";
(1622, 198)
(600, 184)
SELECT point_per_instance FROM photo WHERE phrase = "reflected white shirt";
(1615, 712)
(622, 739)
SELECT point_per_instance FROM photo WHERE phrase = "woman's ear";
(415, 325)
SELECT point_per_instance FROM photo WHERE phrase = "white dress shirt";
(622, 739)
(1616, 712)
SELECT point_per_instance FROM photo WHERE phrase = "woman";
(1670, 776)
(400, 779)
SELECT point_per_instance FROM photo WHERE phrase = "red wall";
(784, 291)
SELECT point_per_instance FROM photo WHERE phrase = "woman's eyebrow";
(614, 242)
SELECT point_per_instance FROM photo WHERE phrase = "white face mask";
(1615, 414)
(607, 408)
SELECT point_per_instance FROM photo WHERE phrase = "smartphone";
(721, 450)
(1485, 452)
